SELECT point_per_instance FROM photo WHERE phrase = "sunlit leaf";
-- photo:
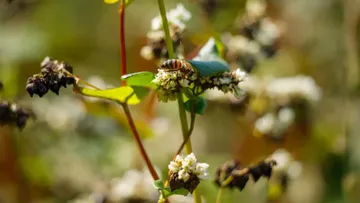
(200, 105)
(130, 95)
(209, 68)
(140, 79)
(110, 1)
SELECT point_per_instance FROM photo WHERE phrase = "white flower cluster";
(134, 184)
(185, 166)
(177, 17)
(256, 40)
(229, 82)
(156, 47)
(170, 82)
(275, 124)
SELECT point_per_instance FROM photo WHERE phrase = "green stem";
(184, 123)
(182, 113)
(219, 195)
(165, 23)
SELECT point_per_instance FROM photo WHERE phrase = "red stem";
(139, 143)
(122, 40)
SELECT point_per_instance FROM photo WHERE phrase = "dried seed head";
(232, 168)
(11, 114)
(264, 168)
(240, 175)
(52, 76)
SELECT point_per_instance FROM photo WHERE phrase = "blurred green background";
(77, 146)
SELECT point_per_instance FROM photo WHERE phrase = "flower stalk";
(182, 113)
(122, 40)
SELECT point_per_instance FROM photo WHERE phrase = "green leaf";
(209, 68)
(200, 105)
(166, 192)
(125, 94)
(142, 79)
(159, 184)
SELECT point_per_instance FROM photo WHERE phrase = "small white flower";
(190, 160)
(184, 175)
(174, 166)
(225, 81)
(179, 158)
(201, 170)
(266, 123)
(240, 75)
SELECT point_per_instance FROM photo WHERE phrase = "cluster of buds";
(170, 82)
(12, 114)
(257, 40)
(53, 75)
(156, 48)
(232, 175)
(186, 172)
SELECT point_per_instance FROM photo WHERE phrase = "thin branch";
(138, 141)
(122, 40)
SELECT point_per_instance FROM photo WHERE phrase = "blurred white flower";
(60, 113)
(133, 184)
(286, 163)
(285, 89)
(177, 16)
(268, 32)
(255, 8)
(266, 123)
(286, 116)
(147, 53)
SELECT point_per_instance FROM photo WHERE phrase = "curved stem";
(138, 141)
(122, 40)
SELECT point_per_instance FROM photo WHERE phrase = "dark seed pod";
(1, 85)
(192, 183)
(52, 76)
(264, 168)
(11, 114)
(240, 180)
(175, 182)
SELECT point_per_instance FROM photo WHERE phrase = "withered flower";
(53, 75)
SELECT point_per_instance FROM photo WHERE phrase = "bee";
(175, 64)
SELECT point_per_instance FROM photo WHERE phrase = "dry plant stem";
(122, 40)
(138, 141)
(182, 113)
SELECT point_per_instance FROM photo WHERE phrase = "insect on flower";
(175, 64)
